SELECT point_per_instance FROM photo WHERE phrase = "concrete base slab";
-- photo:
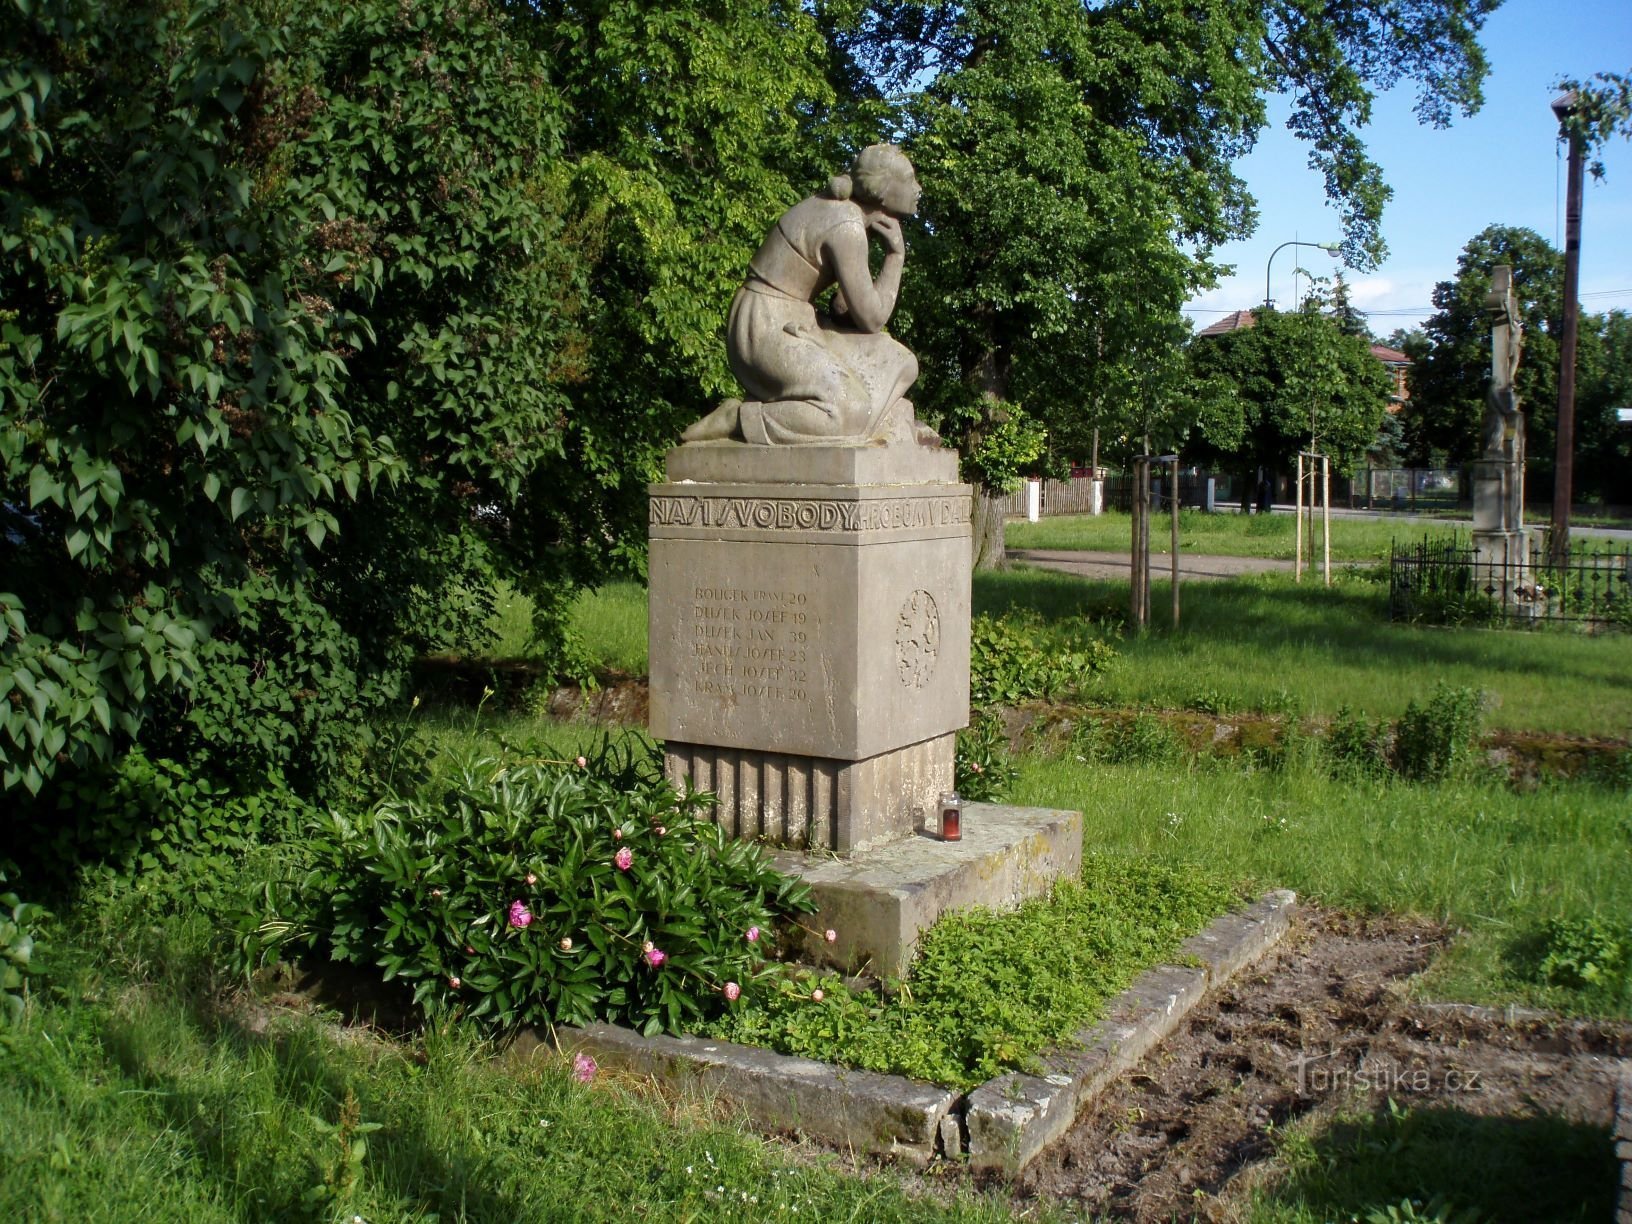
(886, 1115)
(879, 902)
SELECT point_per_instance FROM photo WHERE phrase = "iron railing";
(1450, 582)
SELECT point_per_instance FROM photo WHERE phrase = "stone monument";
(1498, 475)
(809, 597)
(810, 549)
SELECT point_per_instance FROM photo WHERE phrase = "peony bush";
(541, 892)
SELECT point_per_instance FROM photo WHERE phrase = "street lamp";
(1331, 248)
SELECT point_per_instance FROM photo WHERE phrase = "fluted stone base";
(817, 803)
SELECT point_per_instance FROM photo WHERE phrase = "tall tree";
(1300, 382)
(1079, 160)
(1451, 356)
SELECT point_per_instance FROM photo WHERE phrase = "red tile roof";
(1233, 321)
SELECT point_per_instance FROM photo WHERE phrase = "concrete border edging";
(886, 1115)
(1622, 1136)
(1001, 1125)
(1012, 1118)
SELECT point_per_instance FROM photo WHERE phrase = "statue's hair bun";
(840, 186)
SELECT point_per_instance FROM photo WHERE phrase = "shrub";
(19, 923)
(1142, 739)
(541, 892)
(984, 769)
(158, 828)
(1432, 741)
(1355, 747)
(1581, 954)
(1016, 658)
(260, 263)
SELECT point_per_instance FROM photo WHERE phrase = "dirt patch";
(1322, 1019)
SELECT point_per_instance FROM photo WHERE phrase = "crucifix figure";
(1504, 427)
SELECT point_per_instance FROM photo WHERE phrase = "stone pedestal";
(1500, 550)
(809, 635)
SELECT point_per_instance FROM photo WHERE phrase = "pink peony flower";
(830, 935)
(655, 957)
(624, 858)
(454, 982)
(436, 894)
(583, 1068)
(617, 834)
(520, 916)
(752, 935)
(566, 943)
(581, 763)
(660, 830)
(732, 992)
(469, 951)
(531, 879)
(816, 996)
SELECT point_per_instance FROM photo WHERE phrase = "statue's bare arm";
(868, 303)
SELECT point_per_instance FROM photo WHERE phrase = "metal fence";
(1404, 489)
(1449, 582)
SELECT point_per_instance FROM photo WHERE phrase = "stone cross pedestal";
(809, 635)
(1498, 475)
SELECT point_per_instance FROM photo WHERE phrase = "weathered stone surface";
(880, 903)
(1623, 1145)
(800, 801)
(1014, 1117)
(744, 463)
(812, 624)
(880, 1114)
(1233, 941)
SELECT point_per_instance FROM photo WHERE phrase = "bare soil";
(1322, 1021)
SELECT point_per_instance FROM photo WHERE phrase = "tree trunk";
(987, 523)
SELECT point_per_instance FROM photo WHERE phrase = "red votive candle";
(951, 817)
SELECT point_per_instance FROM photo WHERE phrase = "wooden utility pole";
(1564, 463)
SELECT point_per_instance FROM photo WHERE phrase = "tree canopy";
(320, 317)
(1298, 381)
(1451, 370)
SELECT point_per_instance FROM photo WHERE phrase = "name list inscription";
(752, 643)
(809, 514)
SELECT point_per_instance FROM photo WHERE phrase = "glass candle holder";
(951, 817)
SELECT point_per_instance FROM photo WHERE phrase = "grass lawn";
(126, 1094)
(1261, 643)
(1231, 535)
(1493, 863)
(1267, 643)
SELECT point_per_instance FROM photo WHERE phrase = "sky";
(1504, 165)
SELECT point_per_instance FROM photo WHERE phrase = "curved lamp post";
(1331, 248)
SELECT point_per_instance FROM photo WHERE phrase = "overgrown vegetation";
(990, 991)
(128, 1092)
(528, 891)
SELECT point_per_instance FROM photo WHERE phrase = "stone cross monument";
(810, 549)
(1498, 475)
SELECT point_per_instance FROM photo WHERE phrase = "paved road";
(1119, 565)
(1432, 520)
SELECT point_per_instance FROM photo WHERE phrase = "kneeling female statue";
(833, 377)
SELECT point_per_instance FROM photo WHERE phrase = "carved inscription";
(809, 514)
(917, 639)
(752, 643)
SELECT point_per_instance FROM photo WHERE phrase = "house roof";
(1233, 321)
(1389, 356)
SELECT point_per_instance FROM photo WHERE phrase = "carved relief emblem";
(917, 639)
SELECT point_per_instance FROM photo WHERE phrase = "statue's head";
(882, 178)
